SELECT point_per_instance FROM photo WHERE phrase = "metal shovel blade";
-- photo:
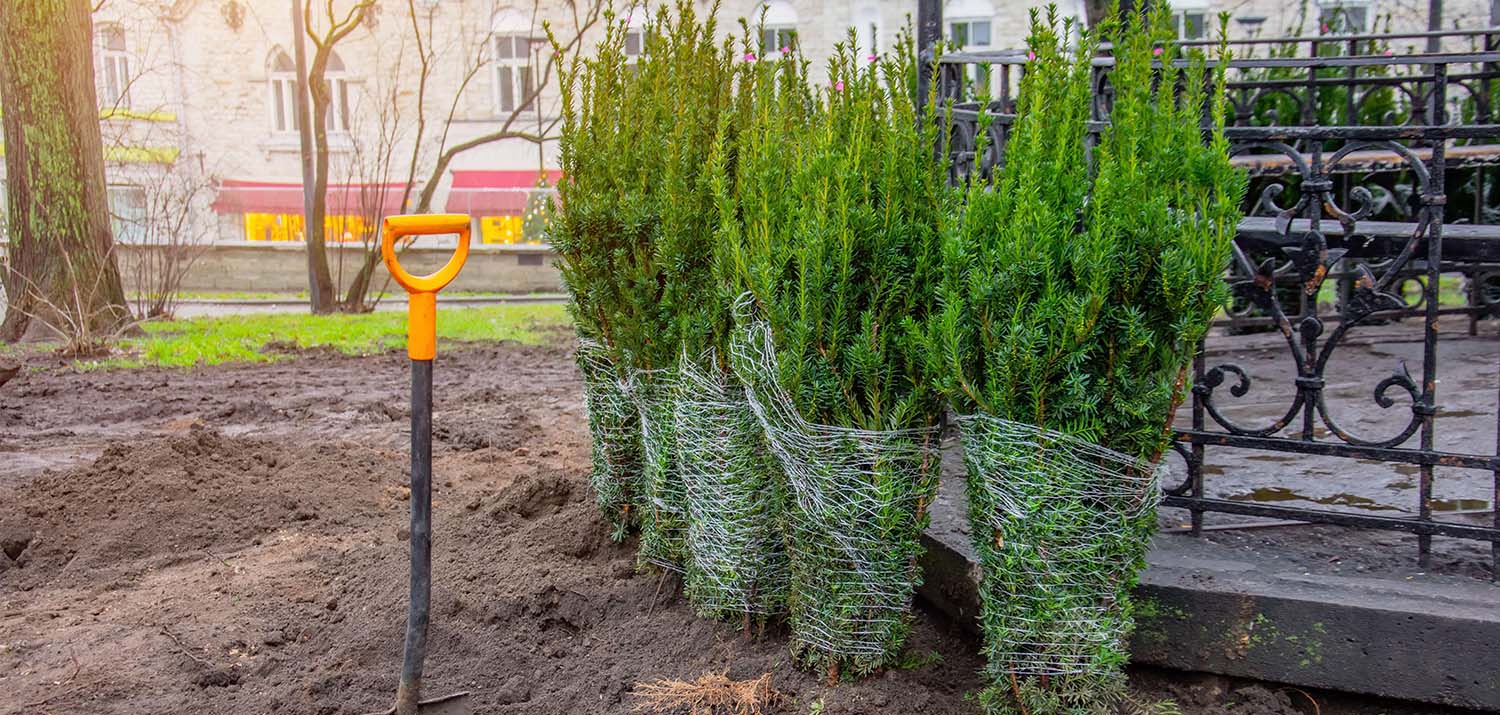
(455, 704)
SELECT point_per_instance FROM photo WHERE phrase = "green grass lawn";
(264, 338)
(395, 294)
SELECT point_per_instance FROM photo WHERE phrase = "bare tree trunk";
(317, 212)
(319, 89)
(319, 283)
(62, 266)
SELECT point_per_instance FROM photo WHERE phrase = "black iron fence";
(1358, 160)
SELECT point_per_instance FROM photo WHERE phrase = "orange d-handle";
(421, 318)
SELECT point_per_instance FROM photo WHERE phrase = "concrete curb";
(1203, 607)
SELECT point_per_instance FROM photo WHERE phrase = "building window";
(1191, 24)
(1344, 18)
(336, 81)
(969, 34)
(635, 43)
(778, 39)
(127, 213)
(283, 98)
(514, 82)
(778, 29)
(114, 69)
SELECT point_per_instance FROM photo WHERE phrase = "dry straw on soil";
(711, 694)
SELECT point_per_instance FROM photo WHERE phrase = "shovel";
(421, 346)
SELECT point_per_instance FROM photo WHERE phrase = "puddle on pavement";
(1277, 494)
(1280, 494)
(1459, 504)
(1464, 413)
(1273, 457)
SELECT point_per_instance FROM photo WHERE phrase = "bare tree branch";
(507, 130)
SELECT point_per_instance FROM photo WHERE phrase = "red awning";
(243, 197)
(494, 192)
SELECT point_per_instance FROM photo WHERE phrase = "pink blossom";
(872, 58)
(1156, 52)
(1388, 53)
(1323, 28)
(785, 50)
(1030, 55)
(749, 56)
(839, 86)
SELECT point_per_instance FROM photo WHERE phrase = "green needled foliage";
(1074, 297)
(832, 229)
(838, 244)
(735, 488)
(635, 236)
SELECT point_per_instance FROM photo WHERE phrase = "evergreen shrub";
(635, 234)
(735, 488)
(1074, 296)
(835, 239)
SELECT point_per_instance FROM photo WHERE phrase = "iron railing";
(1341, 195)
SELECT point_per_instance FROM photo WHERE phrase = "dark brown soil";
(232, 540)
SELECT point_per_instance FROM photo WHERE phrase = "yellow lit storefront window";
(500, 229)
(288, 227)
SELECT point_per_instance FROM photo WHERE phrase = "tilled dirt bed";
(232, 540)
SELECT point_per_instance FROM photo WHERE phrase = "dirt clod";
(218, 678)
(14, 540)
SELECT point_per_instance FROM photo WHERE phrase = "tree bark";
(62, 275)
(322, 290)
(319, 284)
(319, 89)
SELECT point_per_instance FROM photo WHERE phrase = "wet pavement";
(1468, 381)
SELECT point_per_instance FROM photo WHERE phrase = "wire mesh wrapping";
(663, 516)
(1061, 527)
(734, 499)
(855, 514)
(615, 432)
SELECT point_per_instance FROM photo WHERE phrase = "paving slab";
(1249, 606)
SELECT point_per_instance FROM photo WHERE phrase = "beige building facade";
(198, 111)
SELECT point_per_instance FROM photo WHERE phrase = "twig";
(1015, 689)
(232, 569)
(1316, 710)
(659, 583)
(185, 650)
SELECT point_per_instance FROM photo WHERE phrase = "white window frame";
(637, 37)
(338, 102)
(512, 74)
(1331, 10)
(127, 228)
(114, 67)
(1180, 22)
(774, 37)
(779, 28)
(281, 96)
(968, 24)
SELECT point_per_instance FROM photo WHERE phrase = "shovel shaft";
(409, 691)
